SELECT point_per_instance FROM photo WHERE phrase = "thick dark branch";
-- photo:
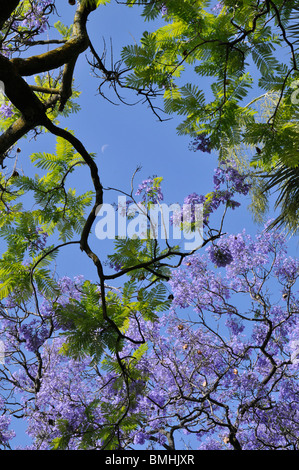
(50, 60)
(43, 89)
(44, 42)
(20, 93)
(6, 9)
(62, 55)
(280, 24)
(77, 144)
(67, 81)
(15, 132)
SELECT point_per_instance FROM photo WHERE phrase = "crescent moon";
(104, 147)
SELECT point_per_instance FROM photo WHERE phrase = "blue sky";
(125, 137)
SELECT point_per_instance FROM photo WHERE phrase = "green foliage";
(47, 82)
(143, 254)
(57, 211)
(66, 32)
(88, 332)
(61, 209)
(285, 180)
(91, 333)
(225, 48)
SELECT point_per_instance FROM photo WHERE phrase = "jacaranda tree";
(168, 348)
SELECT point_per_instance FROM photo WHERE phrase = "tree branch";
(60, 56)
(6, 9)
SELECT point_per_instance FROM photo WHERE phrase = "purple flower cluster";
(223, 175)
(164, 10)
(192, 200)
(114, 265)
(6, 110)
(33, 334)
(26, 22)
(70, 288)
(221, 351)
(202, 143)
(230, 357)
(149, 191)
(5, 433)
(36, 18)
(188, 212)
(220, 254)
(233, 177)
(235, 184)
(40, 240)
(217, 8)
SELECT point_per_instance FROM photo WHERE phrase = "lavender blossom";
(220, 255)
(202, 143)
(149, 191)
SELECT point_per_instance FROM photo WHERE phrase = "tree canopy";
(171, 346)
